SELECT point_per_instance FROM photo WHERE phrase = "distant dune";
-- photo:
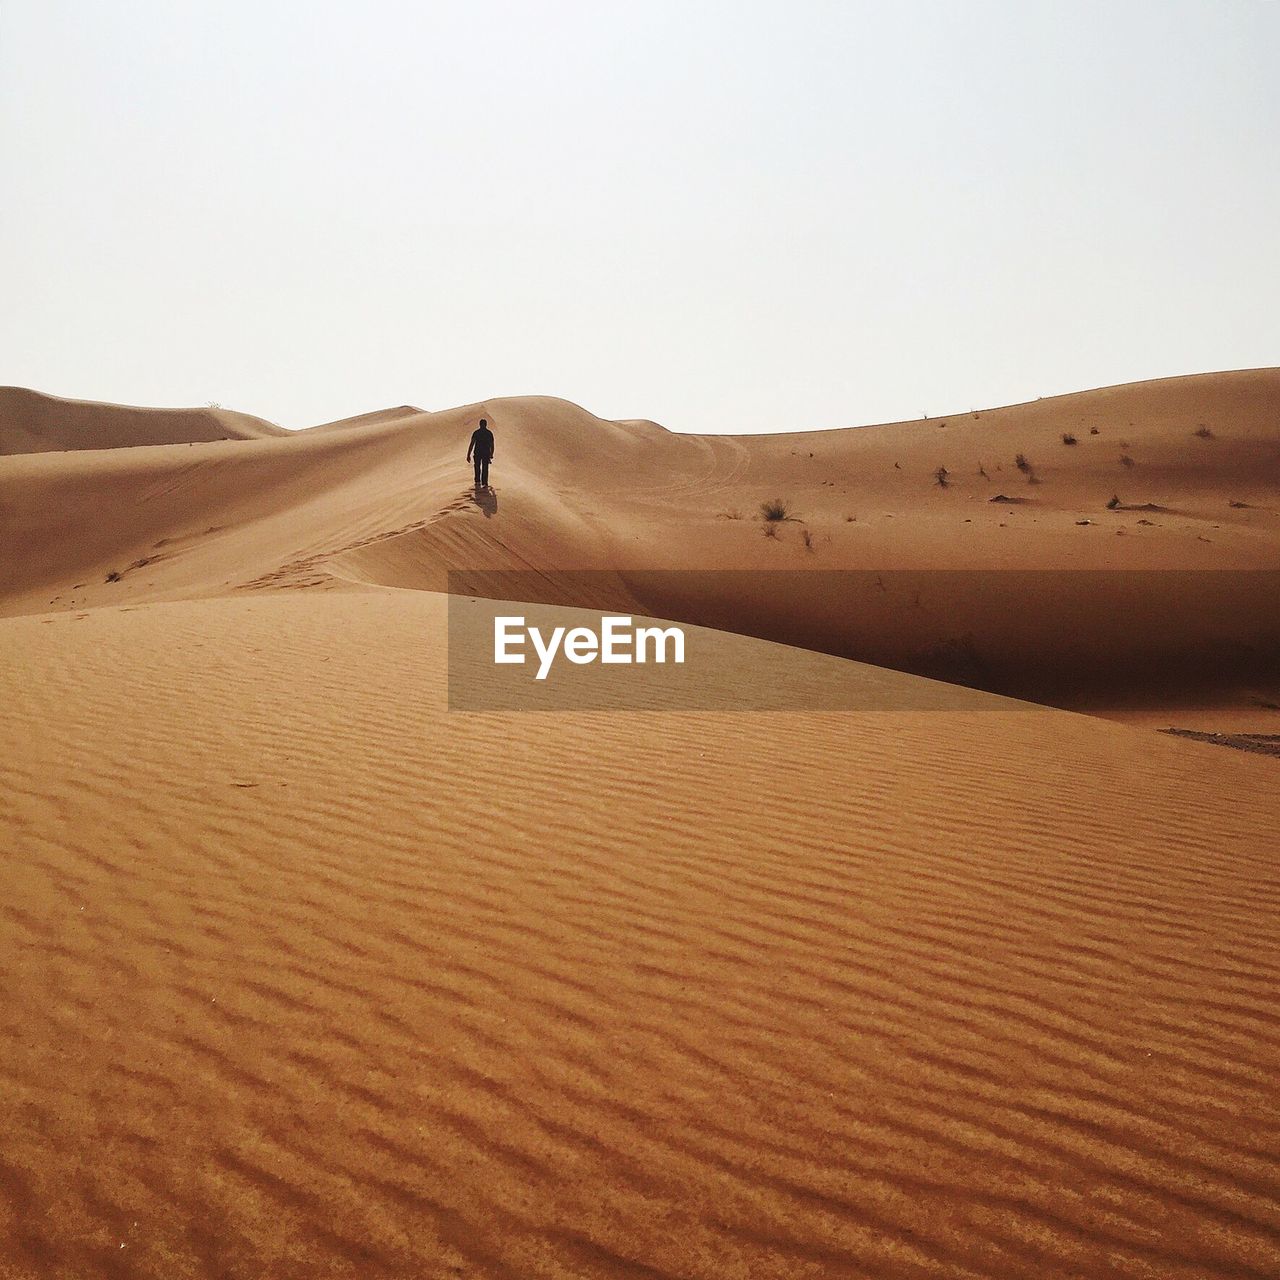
(35, 423)
(378, 418)
(305, 974)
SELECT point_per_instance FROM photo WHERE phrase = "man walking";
(481, 447)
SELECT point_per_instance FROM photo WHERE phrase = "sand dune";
(379, 417)
(34, 423)
(306, 974)
(309, 976)
(384, 502)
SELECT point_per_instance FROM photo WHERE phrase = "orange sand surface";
(305, 974)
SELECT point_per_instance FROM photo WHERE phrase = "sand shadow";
(486, 499)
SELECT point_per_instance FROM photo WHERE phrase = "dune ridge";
(34, 423)
(1177, 476)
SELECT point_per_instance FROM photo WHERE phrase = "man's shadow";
(486, 499)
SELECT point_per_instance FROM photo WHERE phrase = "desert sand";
(306, 974)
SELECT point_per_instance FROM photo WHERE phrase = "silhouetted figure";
(481, 447)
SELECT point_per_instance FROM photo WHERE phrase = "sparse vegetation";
(1068, 438)
(732, 514)
(941, 477)
(1114, 503)
(770, 531)
(982, 471)
(775, 510)
(1126, 460)
(807, 539)
(1026, 468)
(1203, 432)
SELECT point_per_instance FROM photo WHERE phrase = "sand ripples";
(347, 985)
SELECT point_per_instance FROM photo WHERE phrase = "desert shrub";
(774, 510)
(1026, 468)
(1068, 438)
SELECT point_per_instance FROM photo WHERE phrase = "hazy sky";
(727, 215)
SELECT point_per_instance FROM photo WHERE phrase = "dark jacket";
(481, 443)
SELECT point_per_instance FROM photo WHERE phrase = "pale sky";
(725, 215)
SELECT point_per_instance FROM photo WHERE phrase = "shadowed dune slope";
(305, 976)
(34, 423)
